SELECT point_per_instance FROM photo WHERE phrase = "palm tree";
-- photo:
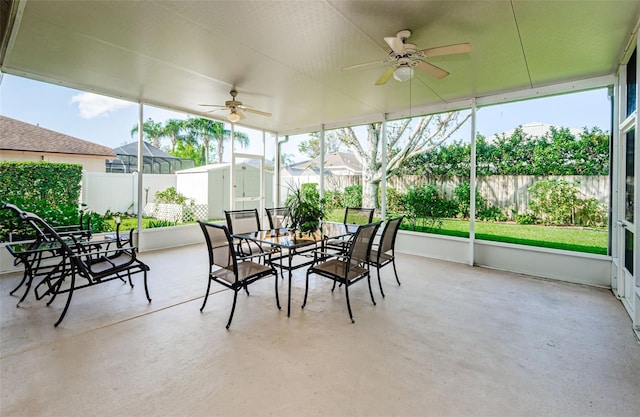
(204, 130)
(173, 129)
(151, 130)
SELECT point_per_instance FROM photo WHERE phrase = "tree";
(173, 129)
(311, 147)
(405, 139)
(206, 130)
(151, 130)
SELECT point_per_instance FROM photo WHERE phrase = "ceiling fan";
(406, 56)
(235, 108)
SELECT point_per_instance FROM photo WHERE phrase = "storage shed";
(209, 184)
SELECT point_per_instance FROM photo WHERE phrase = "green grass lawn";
(578, 239)
(569, 238)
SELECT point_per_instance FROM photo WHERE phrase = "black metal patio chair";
(346, 268)
(383, 252)
(229, 268)
(279, 217)
(352, 215)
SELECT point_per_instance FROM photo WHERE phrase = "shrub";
(526, 218)
(353, 196)
(171, 196)
(424, 202)
(558, 202)
(462, 200)
(395, 200)
(333, 199)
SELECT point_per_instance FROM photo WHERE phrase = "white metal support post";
(140, 163)
(383, 181)
(322, 161)
(472, 186)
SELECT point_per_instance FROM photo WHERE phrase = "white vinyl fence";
(118, 193)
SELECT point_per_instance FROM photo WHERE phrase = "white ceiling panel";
(286, 57)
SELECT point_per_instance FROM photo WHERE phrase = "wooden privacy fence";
(508, 192)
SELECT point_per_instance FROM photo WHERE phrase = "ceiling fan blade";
(240, 114)
(364, 64)
(432, 70)
(248, 110)
(458, 48)
(212, 105)
(385, 76)
(394, 43)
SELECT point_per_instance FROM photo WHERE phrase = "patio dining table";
(297, 245)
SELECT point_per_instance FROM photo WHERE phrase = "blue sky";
(108, 121)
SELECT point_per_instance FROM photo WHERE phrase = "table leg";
(289, 290)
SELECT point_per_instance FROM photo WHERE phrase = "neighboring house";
(337, 165)
(20, 141)
(154, 160)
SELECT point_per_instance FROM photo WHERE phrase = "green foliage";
(154, 223)
(558, 202)
(333, 199)
(425, 207)
(353, 196)
(557, 153)
(526, 218)
(306, 207)
(554, 201)
(50, 190)
(171, 196)
(395, 200)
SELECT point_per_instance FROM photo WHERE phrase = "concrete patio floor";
(453, 340)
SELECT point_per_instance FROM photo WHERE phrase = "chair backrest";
(279, 217)
(362, 240)
(242, 221)
(220, 245)
(358, 215)
(388, 238)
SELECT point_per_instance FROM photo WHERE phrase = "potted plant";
(306, 208)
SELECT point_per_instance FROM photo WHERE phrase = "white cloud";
(92, 105)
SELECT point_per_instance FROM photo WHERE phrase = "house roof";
(333, 160)
(20, 136)
(131, 149)
(286, 57)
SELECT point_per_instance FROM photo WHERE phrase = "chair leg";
(233, 308)
(277, 296)
(394, 269)
(24, 278)
(66, 306)
(379, 281)
(346, 291)
(206, 294)
(334, 285)
(370, 291)
(306, 290)
(146, 289)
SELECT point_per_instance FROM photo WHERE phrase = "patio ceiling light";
(233, 116)
(403, 73)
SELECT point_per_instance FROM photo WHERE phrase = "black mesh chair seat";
(348, 268)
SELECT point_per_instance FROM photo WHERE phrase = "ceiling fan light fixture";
(403, 73)
(233, 116)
